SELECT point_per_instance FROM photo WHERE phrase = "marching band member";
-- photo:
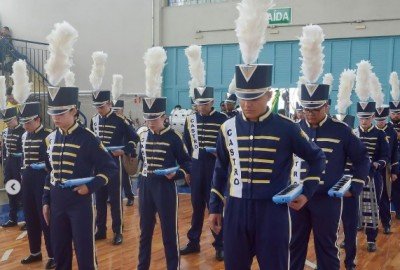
(254, 158)
(200, 134)
(322, 213)
(160, 148)
(113, 130)
(73, 152)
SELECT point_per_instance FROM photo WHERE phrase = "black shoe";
(117, 239)
(23, 227)
(219, 255)
(342, 245)
(386, 230)
(32, 258)
(190, 248)
(51, 264)
(129, 202)
(9, 224)
(352, 267)
(371, 247)
(100, 236)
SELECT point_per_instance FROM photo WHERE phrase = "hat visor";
(380, 118)
(203, 101)
(251, 94)
(312, 104)
(99, 104)
(152, 116)
(24, 120)
(394, 110)
(6, 120)
(364, 115)
(230, 101)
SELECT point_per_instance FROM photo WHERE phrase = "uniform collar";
(320, 123)
(261, 117)
(162, 131)
(107, 115)
(211, 113)
(38, 129)
(16, 127)
(368, 130)
(384, 128)
(70, 130)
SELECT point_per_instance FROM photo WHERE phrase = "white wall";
(121, 28)
(216, 21)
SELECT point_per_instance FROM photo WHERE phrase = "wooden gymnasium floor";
(125, 256)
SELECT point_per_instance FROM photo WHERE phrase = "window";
(192, 2)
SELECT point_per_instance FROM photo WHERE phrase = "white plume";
(69, 79)
(394, 82)
(232, 86)
(376, 90)
(364, 70)
(346, 84)
(154, 60)
(3, 91)
(22, 87)
(312, 54)
(196, 68)
(117, 86)
(61, 41)
(251, 27)
(328, 79)
(98, 69)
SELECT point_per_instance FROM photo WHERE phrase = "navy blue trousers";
(110, 191)
(396, 194)
(127, 185)
(384, 203)
(200, 188)
(157, 194)
(350, 219)
(322, 215)
(72, 220)
(32, 193)
(258, 228)
(12, 170)
(373, 233)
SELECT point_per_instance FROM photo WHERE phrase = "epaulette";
(177, 133)
(91, 132)
(338, 121)
(285, 117)
(120, 116)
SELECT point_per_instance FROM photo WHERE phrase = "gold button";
(251, 137)
(250, 160)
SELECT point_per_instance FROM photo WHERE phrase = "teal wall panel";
(384, 53)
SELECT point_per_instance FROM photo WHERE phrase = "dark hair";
(222, 103)
(6, 27)
(178, 107)
(282, 111)
(9, 90)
